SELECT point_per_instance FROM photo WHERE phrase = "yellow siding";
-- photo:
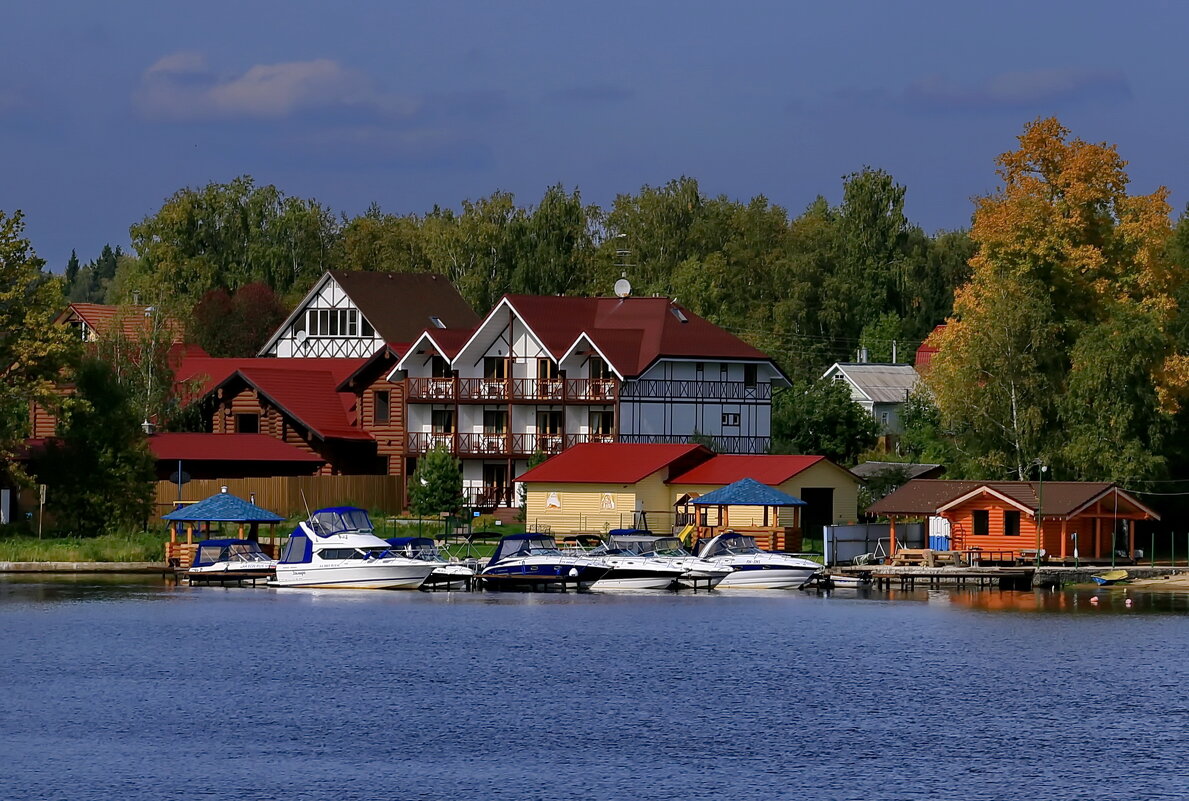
(581, 507)
(844, 484)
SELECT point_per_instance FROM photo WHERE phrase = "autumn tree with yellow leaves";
(1060, 350)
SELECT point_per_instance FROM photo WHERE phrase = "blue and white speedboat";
(695, 573)
(532, 561)
(229, 560)
(753, 569)
(446, 575)
(337, 548)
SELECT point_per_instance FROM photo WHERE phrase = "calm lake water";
(133, 689)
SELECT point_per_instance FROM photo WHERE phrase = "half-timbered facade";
(354, 314)
(540, 374)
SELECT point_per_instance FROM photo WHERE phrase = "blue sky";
(108, 108)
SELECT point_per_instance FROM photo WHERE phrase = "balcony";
(517, 390)
(489, 497)
(698, 390)
(515, 445)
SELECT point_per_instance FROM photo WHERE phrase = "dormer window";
(436, 322)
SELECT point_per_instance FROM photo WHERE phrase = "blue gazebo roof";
(747, 492)
(223, 508)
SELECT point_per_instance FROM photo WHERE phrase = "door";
(818, 511)
(495, 485)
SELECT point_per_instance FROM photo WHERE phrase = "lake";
(131, 688)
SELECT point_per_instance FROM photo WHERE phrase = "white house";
(542, 373)
(353, 314)
(881, 389)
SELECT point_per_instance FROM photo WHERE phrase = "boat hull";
(626, 578)
(373, 576)
(538, 576)
(762, 577)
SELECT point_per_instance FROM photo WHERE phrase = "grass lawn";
(126, 547)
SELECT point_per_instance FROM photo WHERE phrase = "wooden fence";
(283, 494)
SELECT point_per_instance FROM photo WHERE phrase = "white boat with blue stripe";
(753, 569)
(532, 561)
(337, 548)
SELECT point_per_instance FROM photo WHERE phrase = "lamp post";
(1040, 502)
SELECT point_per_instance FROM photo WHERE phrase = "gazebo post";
(1064, 535)
(1131, 539)
(189, 533)
(891, 536)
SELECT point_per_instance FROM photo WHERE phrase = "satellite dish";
(301, 337)
(623, 288)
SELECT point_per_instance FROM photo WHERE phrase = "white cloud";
(1033, 89)
(181, 86)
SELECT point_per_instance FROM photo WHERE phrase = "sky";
(106, 109)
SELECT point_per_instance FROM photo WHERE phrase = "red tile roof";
(226, 447)
(212, 371)
(614, 463)
(766, 469)
(101, 317)
(631, 332)
(310, 396)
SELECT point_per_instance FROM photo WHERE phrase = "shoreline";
(83, 567)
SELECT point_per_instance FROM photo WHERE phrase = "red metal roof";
(212, 371)
(614, 463)
(310, 396)
(729, 468)
(226, 447)
(929, 348)
(631, 332)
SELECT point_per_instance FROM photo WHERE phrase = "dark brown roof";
(866, 470)
(399, 305)
(1061, 498)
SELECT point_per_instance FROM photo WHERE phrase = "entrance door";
(819, 511)
(495, 485)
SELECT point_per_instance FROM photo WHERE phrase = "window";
(439, 367)
(495, 421)
(599, 370)
(883, 419)
(602, 424)
(495, 368)
(247, 423)
(699, 369)
(382, 407)
(546, 369)
(442, 421)
(981, 521)
(549, 422)
(751, 374)
(722, 372)
(730, 419)
(1011, 523)
(334, 323)
(436, 322)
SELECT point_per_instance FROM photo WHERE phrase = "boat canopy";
(728, 543)
(338, 520)
(213, 551)
(522, 545)
(299, 550)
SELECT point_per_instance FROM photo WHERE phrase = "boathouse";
(1012, 520)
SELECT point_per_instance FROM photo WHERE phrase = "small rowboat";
(1110, 577)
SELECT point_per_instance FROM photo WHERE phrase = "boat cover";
(299, 550)
(521, 545)
(211, 551)
(339, 519)
(728, 543)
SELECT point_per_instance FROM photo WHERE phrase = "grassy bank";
(127, 547)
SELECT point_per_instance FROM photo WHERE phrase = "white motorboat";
(229, 560)
(337, 548)
(632, 571)
(696, 573)
(754, 569)
(445, 576)
(532, 561)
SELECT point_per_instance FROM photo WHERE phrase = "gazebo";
(221, 508)
(747, 492)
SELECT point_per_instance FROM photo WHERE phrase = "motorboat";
(337, 548)
(533, 561)
(445, 576)
(229, 560)
(632, 571)
(696, 573)
(754, 569)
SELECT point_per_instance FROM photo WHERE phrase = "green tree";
(99, 470)
(33, 350)
(436, 484)
(819, 417)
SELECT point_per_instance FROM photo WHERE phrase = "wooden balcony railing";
(489, 497)
(501, 390)
(499, 445)
(697, 390)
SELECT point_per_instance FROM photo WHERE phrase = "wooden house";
(1011, 520)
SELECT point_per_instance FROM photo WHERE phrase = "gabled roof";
(212, 371)
(101, 318)
(1061, 498)
(192, 447)
(615, 463)
(769, 469)
(310, 397)
(444, 342)
(865, 470)
(398, 305)
(747, 492)
(223, 508)
(880, 383)
(929, 348)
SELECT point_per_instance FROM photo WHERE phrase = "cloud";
(586, 95)
(181, 86)
(1031, 90)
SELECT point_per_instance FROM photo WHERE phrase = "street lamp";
(1040, 502)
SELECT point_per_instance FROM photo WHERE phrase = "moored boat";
(696, 573)
(445, 576)
(533, 561)
(1110, 577)
(226, 560)
(337, 548)
(755, 569)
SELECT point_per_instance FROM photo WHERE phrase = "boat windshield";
(668, 546)
(734, 544)
(522, 547)
(327, 522)
(335, 554)
(216, 552)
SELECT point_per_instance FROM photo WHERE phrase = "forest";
(1068, 337)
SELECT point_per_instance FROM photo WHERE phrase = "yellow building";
(597, 487)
